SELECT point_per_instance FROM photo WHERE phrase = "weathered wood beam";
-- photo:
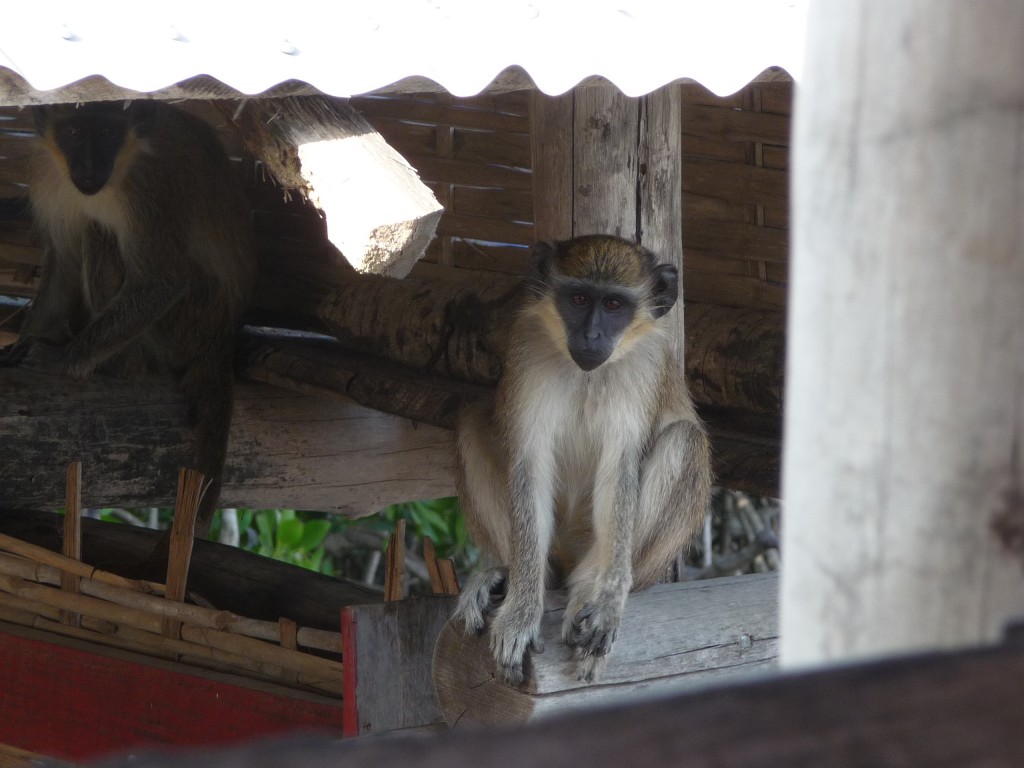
(379, 214)
(745, 446)
(884, 714)
(904, 465)
(736, 635)
(286, 449)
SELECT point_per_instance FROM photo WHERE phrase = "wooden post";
(605, 163)
(903, 463)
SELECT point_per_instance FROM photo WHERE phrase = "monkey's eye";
(580, 299)
(612, 304)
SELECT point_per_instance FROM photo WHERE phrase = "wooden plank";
(775, 97)
(433, 168)
(705, 631)
(882, 714)
(500, 204)
(551, 119)
(904, 410)
(492, 147)
(736, 125)
(734, 181)
(481, 228)
(735, 291)
(736, 239)
(114, 701)
(388, 655)
(605, 156)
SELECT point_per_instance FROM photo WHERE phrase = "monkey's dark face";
(595, 318)
(90, 139)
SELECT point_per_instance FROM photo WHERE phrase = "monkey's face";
(89, 139)
(595, 317)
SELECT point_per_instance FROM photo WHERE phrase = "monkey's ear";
(666, 289)
(42, 116)
(142, 115)
(544, 254)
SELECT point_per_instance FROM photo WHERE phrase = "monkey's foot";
(591, 633)
(480, 597)
(514, 633)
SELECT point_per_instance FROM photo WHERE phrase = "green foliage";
(284, 536)
(442, 520)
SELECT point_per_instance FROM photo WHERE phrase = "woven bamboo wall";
(474, 154)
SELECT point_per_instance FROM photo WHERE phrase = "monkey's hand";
(514, 632)
(482, 594)
(56, 359)
(591, 632)
(13, 354)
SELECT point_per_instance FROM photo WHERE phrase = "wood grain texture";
(904, 412)
(389, 650)
(673, 637)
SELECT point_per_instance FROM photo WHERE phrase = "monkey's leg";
(515, 629)
(137, 307)
(56, 309)
(483, 494)
(599, 585)
(675, 487)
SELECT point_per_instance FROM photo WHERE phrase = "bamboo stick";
(430, 558)
(314, 667)
(71, 542)
(449, 578)
(306, 637)
(190, 492)
(394, 574)
(48, 557)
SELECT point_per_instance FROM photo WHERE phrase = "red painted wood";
(76, 705)
(349, 674)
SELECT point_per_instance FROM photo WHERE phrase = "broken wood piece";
(430, 558)
(379, 214)
(190, 492)
(449, 579)
(706, 631)
(394, 573)
(71, 543)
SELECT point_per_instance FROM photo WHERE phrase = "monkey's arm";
(56, 309)
(516, 626)
(137, 306)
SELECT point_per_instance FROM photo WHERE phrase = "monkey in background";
(147, 260)
(590, 460)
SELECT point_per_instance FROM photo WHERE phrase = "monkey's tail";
(209, 393)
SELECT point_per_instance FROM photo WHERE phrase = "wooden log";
(286, 449)
(734, 357)
(904, 408)
(705, 632)
(883, 714)
(379, 214)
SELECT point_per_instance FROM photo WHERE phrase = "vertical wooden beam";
(551, 127)
(606, 163)
(904, 457)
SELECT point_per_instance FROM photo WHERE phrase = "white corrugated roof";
(346, 48)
